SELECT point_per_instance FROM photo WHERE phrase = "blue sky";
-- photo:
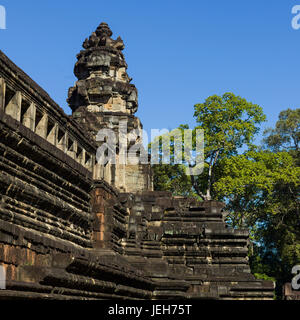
(178, 52)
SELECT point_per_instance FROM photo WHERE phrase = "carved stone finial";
(103, 83)
(103, 30)
(102, 38)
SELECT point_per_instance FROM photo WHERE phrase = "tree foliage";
(286, 134)
(229, 123)
(261, 189)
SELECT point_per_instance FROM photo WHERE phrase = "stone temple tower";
(104, 97)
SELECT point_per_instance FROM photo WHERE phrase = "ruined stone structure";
(103, 97)
(73, 229)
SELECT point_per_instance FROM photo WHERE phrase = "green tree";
(261, 189)
(172, 178)
(282, 231)
(252, 183)
(286, 134)
(229, 123)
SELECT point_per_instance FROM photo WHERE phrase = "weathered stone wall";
(46, 176)
(110, 223)
(176, 239)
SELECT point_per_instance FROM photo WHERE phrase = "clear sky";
(178, 52)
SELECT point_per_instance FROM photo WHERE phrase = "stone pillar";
(2, 94)
(29, 117)
(71, 147)
(52, 135)
(61, 140)
(109, 227)
(41, 126)
(89, 163)
(101, 235)
(13, 108)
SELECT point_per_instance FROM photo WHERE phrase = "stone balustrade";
(26, 102)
